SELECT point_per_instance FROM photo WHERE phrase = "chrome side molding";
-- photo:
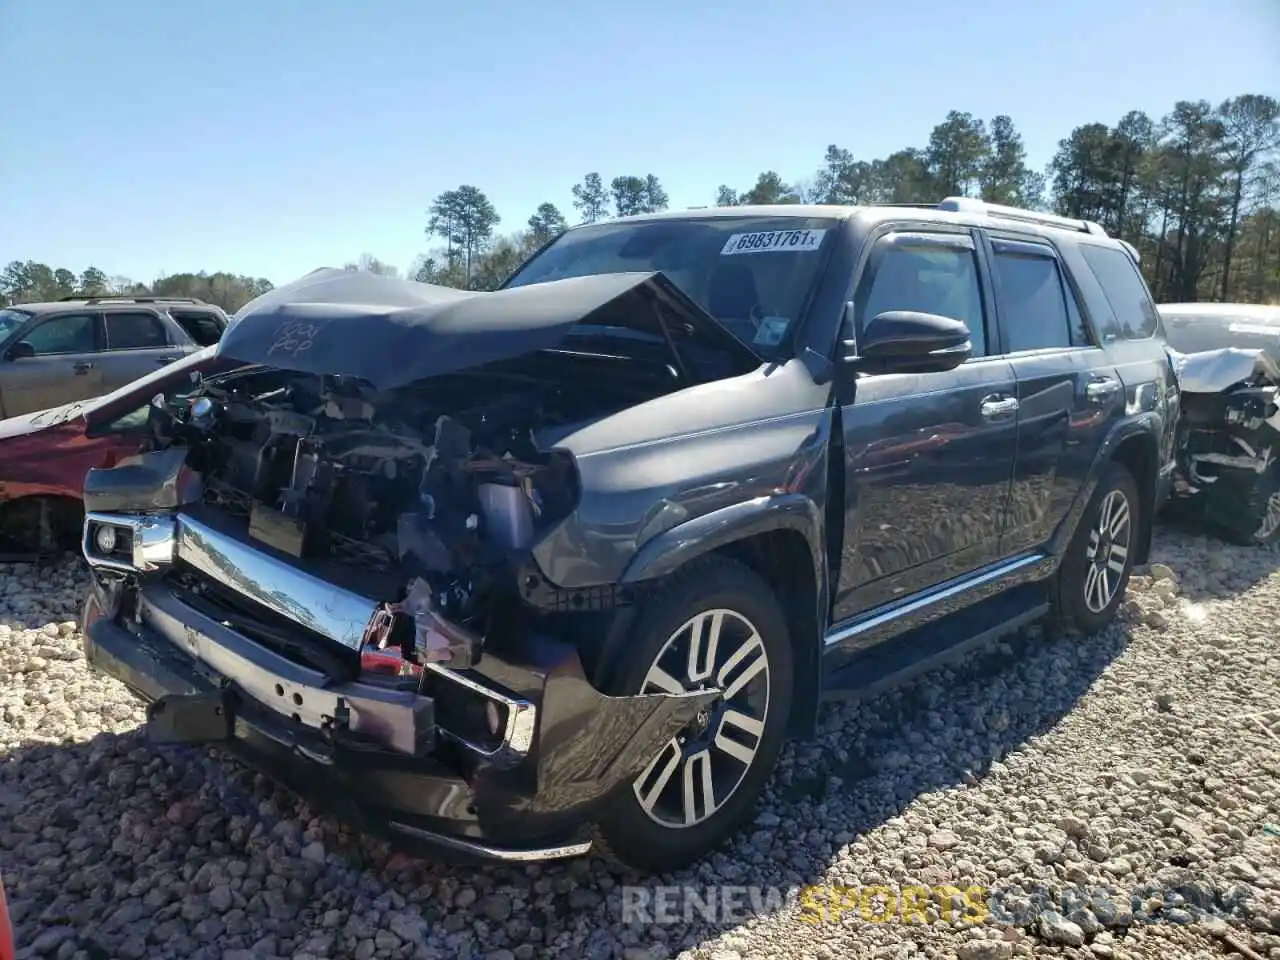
(852, 628)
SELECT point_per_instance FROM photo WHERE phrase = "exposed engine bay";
(1228, 444)
(381, 490)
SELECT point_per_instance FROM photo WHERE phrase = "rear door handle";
(996, 407)
(1099, 389)
(165, 361)
(82, 366)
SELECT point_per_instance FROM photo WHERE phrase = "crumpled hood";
(1212, 371)
(392, 332)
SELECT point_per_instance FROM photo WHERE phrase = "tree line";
(32, 282)
(1196, 191)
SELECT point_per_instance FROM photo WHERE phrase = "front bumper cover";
(392, 769)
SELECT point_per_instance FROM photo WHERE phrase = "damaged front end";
(321, 575)
(1228, 444)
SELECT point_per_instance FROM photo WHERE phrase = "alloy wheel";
(1108, 551)
(1270, 520)
(700, 768)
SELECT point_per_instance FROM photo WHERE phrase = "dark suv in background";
(511, 574)
(79, 348)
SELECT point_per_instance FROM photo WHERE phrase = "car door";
(137, 341)
(64, 368)
(927, 457)
(1068, 391)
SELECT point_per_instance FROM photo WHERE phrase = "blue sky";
(269, 138)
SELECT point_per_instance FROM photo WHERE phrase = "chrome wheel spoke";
(743, 667)
(698, 791)
(704, 639)
(1115, 562)
(699, 769)
(651, 784)
(739, 736)
(658, 680)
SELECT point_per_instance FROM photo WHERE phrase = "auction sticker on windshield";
(768, 241)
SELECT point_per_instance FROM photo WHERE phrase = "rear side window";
(1037, 308)
(134, 331)
(929, 273)
(1125, 290)
(204, 328)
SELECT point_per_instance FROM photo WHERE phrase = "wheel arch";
(781, 538)
(1135, 445)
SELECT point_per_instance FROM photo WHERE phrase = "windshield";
(753, 274)
(10, 321)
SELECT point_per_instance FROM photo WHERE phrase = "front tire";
(1094, 574)
(715, 625)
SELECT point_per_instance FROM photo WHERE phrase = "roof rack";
(1003, 212)
(123, 299)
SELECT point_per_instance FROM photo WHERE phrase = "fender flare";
(675, 547)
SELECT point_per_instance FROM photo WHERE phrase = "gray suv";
(76, 348)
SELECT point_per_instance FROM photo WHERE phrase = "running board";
(901, 659)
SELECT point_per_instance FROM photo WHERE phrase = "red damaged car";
(44, 455)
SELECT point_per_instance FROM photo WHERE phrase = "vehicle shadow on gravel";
(98, 835)
(129, 850)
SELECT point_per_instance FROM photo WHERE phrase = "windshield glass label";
(799, 241)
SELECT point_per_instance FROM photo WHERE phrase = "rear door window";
(135, 331)
(1037, 307)
(1125, 290)
(204, 328)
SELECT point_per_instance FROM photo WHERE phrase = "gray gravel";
(1147, 758)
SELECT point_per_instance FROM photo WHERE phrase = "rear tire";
(715, 624)
(1090, 583)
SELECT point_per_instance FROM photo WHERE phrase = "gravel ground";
(1146, 758)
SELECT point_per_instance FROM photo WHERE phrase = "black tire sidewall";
(1072, 609)
(630, 834)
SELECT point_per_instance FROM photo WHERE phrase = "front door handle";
(996, 407)
(82, 367)
(1100, 389)
(165, 361)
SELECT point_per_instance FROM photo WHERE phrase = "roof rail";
(124, 299)
(982, 208)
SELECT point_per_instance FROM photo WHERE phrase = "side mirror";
(22, 350)
(904, 341)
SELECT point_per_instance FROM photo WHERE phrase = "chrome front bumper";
(148, 544)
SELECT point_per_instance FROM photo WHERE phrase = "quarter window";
(926, 273)
(134, 331)
(70, 333)
(1125, 290)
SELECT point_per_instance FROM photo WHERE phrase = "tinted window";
(1033, 300)
(71, 333)
(929, 276)
(1125, 290)
(753, 274)
(134, 331)
(204, 328)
